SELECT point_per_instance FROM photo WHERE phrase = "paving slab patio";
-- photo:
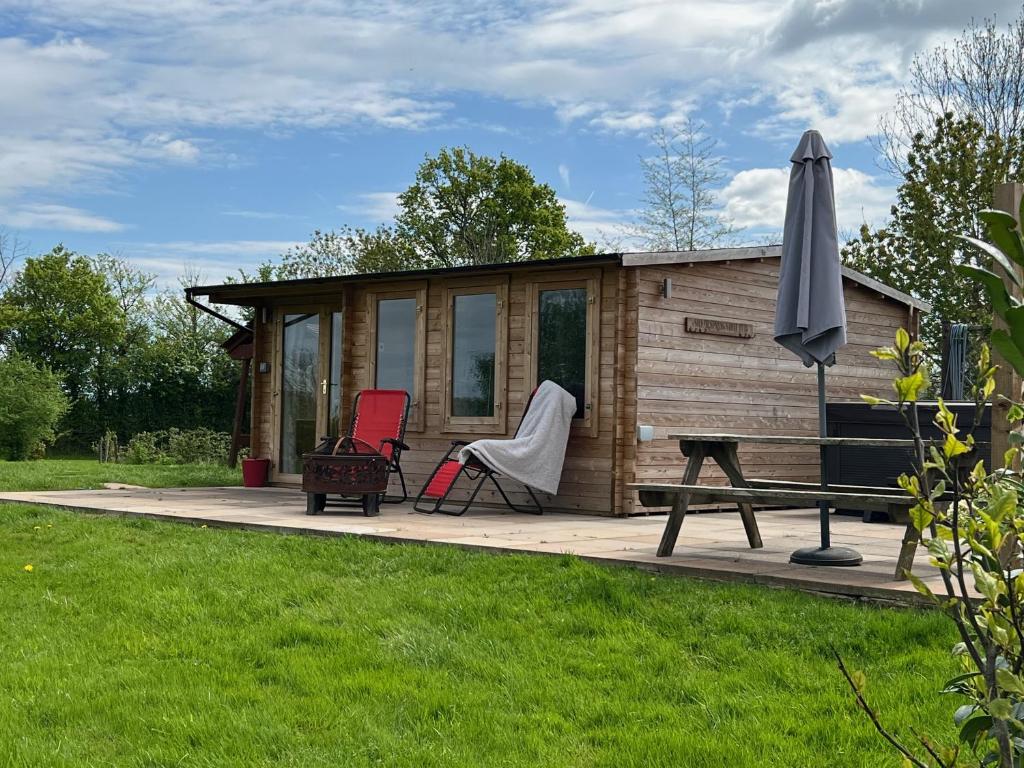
(712, 545)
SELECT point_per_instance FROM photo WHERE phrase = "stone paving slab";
(712, 545)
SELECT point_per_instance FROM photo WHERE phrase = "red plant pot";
(254, 472)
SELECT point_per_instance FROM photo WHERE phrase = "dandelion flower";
(203, 526)
(28, 568)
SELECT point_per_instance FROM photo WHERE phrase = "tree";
(59, 312)
(31, 404)
(12, 250)
(950, 173)
(679, 212)
(980, 75)
(348, 251)
(466, 208)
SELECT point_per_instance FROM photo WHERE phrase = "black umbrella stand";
(826, 554)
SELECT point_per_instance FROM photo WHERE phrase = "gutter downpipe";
(212, 312)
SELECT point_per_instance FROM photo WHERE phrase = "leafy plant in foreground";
(974, 522)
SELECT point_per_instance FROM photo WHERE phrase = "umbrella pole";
(826, 539)
(826, 554)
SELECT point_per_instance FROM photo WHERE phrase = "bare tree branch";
(680, 210)
(979, 75)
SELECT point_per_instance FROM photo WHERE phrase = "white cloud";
(163, 145)
(604, 226)
(85, 104)
(563, 174)
(755, 199)
(380, 207)
(60, 217)
(215, 259)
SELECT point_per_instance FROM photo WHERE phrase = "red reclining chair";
(379, 417)
(442, 480)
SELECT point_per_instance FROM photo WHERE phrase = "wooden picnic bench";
(722, 448)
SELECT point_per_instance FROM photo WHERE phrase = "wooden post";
(236, 433)
(1006, 197)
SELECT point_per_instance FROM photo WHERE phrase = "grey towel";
(534, 456)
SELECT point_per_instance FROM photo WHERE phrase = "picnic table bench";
(722, 448)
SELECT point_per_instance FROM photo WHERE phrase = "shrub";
(145, 448)
(179, 446)
(198, 446)
(974, 519)
(31, 404)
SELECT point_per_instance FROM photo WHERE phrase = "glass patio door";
(310, 385)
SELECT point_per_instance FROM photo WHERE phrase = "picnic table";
(744, 492)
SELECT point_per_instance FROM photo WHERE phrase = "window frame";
(591, 281)
(497, 423)
(417, 291)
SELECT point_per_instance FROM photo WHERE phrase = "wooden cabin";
(671, 340)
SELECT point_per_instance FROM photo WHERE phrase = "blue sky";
(215, 134)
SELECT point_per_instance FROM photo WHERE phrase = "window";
(562, 341)
(396, 344)
(397, 325)
(300, 373)
(334, 377)
(562, 320)
(475, 357)
(474, 335)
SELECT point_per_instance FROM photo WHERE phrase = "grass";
(141, 643)
(72, 474)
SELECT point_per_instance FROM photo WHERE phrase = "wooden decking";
(713, 545)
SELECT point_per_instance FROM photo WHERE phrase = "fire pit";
(346, 468)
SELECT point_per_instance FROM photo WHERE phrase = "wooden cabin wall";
(261, 429)
(589, 483)
(703, 382)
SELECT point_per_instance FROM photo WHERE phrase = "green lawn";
(142, 643)
(69, 474)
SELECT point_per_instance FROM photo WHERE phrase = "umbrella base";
(834, 556)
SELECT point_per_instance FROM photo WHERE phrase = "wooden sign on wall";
(720, 327)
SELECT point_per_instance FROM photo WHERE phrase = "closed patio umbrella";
(810, 311)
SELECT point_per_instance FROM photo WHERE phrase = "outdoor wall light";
(264, 367)
(666, 288)
(644, 433)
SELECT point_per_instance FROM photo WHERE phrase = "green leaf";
(1009, 682)
(921, 516)
(975, 729)
(859, 679)
(909, 387)
(1000, 709)
(1011, 353)
(953, 447)
(997, 255)
(902, 339)
(993, 284)
(1002, 230)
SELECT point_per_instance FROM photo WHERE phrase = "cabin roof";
(255, 294)
(656, 258)
(248, 294)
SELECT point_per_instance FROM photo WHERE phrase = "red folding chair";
(379, 418)
(442, 480)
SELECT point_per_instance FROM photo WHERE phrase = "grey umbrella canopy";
(810, 313)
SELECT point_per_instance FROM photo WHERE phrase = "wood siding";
(699, 381)
(651, 370)
(587, 483)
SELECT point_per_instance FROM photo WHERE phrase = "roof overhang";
(656, 258)
(259, 294)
